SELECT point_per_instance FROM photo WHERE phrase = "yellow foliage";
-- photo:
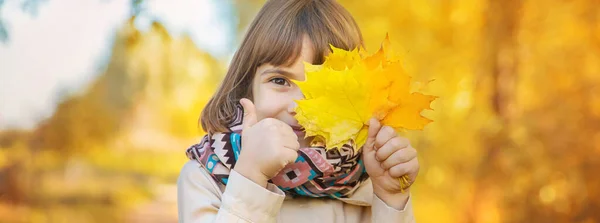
(350, 88)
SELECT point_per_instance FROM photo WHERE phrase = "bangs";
(282, 49)
(279, 40)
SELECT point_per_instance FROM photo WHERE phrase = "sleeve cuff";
(250, 201)
(382, 212)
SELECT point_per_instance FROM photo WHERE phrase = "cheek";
(266, 109)
(268, 103)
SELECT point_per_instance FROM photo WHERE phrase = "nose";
(292, 105)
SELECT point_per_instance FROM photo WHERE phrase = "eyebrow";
(280, 71)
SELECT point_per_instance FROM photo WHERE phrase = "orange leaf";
(350, 88)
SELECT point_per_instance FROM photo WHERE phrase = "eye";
(280, 81)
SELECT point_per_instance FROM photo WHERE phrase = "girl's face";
(274, 93)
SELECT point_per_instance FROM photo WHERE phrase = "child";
(255, 164)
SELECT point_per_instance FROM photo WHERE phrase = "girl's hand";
(387, 158)
(267, 146)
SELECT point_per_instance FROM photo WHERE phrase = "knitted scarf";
(317, 172)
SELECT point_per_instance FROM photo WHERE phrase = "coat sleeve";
(381, 212)
(199, 198)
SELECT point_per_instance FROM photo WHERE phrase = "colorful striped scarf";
(336, 173)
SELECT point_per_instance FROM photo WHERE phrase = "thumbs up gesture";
(268, 145)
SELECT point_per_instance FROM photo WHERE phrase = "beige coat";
(201, 199)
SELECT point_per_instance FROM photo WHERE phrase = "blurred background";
(100, 98)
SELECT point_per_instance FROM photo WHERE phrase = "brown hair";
(275, 37)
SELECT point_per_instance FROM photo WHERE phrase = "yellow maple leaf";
(349, 88)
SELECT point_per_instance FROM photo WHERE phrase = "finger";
(385, 134)
(291, 143)
(290, 137)
(390, 147)
(285, 132)
(290, 156)
(411, 168)
(399, 157)
(278, 125)
(286, 129)
(374, 127)
(249, 113)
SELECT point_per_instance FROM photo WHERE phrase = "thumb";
(374, 127)
(249, 113)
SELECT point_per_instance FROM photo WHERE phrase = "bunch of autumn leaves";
(351, 87)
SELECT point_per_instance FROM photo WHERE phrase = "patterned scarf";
(336, 173)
